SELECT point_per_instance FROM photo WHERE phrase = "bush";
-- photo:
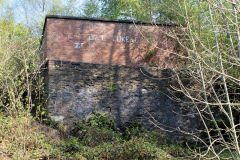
(99, 128)
(71, 145)
(101, 120)
(136, 148)
(133, 129)
(95, 136)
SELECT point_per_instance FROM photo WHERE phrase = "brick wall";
(109, 43)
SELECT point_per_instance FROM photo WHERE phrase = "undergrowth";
(22, 137)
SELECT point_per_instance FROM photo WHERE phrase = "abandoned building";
(113, 66)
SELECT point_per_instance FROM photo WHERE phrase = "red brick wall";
(108, 43)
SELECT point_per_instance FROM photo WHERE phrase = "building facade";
(118, 67)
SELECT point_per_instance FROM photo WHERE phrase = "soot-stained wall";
(127, 93)
(102, 65)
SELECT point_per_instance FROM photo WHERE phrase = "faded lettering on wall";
(118, 39)
(108, 43)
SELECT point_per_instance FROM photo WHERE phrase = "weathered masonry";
(107, 42)
(106, 65)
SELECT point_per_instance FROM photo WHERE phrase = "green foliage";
(71, 145)
(136, 148)
(144, 10)
(133, 129)
(18, 68)
(91, 8)
(149, 54)
(92, 136)
(97, 138)
(111, 86)
(22, 139)
(213, 45)
(21, 91)
(101, 121)
(96, 130)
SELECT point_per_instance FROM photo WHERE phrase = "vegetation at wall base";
(22, 137)
(209, 36)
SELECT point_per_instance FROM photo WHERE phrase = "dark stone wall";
(140, 93)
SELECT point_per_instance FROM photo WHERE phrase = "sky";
(24, 12)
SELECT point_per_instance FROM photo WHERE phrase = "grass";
(22, 137)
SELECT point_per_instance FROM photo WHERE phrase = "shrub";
(98, 129)
(96, 136)
(136, 148)
(101, 120)
(71, 145)
(133, 129)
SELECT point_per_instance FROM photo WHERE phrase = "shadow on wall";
(128, 93)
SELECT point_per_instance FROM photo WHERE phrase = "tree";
(145, 10)
(19, 62)
(212, 43)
